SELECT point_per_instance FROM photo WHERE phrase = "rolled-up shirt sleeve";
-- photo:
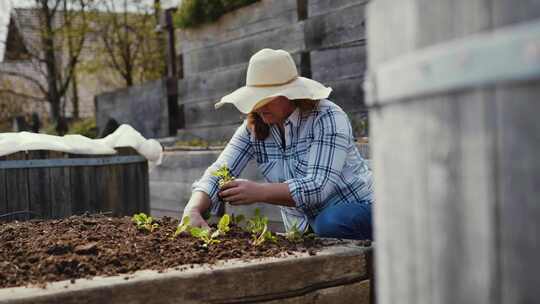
(236, 155)
(332, 136)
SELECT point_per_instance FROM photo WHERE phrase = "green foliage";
(258, 227)
(86, 127)
(199, 143)
(294, 234)
(193, 13)
(224, 175)
(208, 236)
(237, 219)
(144, 222)
(184, 226)
(204, 235)
(128, 50)
(359, 125)
(223, 225)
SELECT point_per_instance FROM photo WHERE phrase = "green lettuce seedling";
(223, 224)
(224, 175)
(294, 234)
(258, 227)
(184, 226)
(204, 235)
(209, 237)
(237, 219)
(144, 222)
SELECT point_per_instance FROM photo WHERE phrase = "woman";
(303, 145)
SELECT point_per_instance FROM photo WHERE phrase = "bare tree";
(59, 25)
(130, 45)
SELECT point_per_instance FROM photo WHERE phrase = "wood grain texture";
(341, 26)
(290, 38)
(38, 187)
(470, 220)
(320, 7)
(507, 13)
(338, 63)
(436, 196)
(16, 188)
(518, 145)
(261, 17)
(61, 194)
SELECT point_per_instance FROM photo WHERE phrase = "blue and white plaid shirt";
(320, 163)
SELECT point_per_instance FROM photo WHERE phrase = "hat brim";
(246, 98)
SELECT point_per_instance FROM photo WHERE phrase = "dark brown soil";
(36, 252)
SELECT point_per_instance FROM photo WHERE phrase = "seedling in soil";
(258, 227)
(144, 222)
(224, 175)
(294, 234)
(237, 219)
(184, 226)
(223, 225)
(204, 235)
(209, 237)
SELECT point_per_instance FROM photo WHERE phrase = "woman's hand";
(198, 203)
(242, 192)
(195, 219)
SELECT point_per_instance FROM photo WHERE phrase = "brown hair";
(262, 130)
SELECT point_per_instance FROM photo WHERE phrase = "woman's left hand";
(242, 192)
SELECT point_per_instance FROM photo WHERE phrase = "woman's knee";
(350, 221)
(327, 225)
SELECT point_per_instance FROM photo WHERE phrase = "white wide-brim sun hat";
(273, 73)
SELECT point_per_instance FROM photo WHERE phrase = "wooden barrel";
(49, 184)
(454, 91)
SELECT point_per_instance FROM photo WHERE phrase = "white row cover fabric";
(124, 136)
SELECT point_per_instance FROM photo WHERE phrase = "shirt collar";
(294, 118)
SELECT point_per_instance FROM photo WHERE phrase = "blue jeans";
(345, 221)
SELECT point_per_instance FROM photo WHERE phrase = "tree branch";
(22, 95)
(25, 77)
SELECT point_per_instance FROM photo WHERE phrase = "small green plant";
(224, 175)
(182, 227)
(258, 227)
(204, 235)
(237, 219)
(223, 224)
(294, 234)
(208, 236)
(144, 222)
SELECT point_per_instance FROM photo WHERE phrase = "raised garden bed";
(101, 259)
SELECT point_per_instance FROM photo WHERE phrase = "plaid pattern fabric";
(319, 162)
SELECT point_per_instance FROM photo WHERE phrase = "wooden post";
(454, 99)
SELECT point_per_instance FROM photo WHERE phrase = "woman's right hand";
(198, 203)
(195, 219)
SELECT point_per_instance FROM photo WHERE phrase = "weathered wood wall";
(457, 172)
(143, 107)
(326, 39)
(61, 191)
